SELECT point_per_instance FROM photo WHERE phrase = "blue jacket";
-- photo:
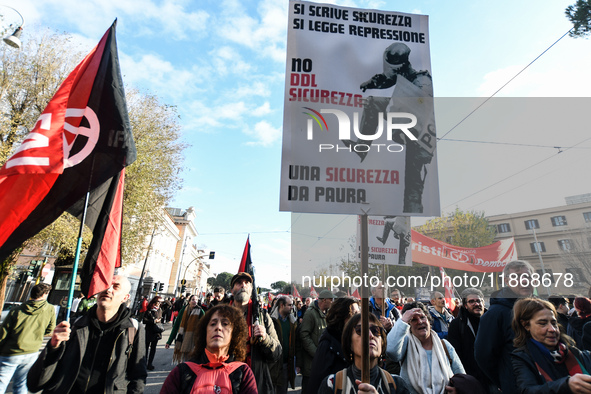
(494, 341)
(391, 311)
(441, 321)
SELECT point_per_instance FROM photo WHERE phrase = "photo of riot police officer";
(396, 63)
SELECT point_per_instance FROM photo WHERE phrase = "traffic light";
(211, 255)
(33, 269)
(161, 286)
(183, 288)
(155, 288)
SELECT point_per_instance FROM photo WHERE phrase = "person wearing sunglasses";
(348, 380)
(463, 329)
(428, 362)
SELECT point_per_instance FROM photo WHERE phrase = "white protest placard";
(350, 141)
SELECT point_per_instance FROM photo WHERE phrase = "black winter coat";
(529, 380)
(56, 370)
(575, 329)
(149, 319)
(494, 341)
(328, 359)
(462, 339)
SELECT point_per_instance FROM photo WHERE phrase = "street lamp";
(14, 39)
(211, 256)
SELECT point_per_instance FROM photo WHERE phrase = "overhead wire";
(501, 143)
(518, 172)
(502, 87)
(516, 144)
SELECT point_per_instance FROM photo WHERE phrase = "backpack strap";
(342, 382)
(388, 379)
(338, 380)
(234, 365)
(131, 331)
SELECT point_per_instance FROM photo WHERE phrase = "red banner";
(491, 258)
(449, 290)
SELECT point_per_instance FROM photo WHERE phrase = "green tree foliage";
(580, 16)
(466, 229)
(221, 280)
(152, 180)
(279, 285)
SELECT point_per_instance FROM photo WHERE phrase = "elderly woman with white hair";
(428, 362)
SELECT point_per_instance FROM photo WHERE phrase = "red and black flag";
(246, 262)
(246, 266)
(80, 143)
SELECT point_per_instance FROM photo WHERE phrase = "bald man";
(78, 359)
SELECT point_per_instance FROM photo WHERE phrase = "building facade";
(556, 241)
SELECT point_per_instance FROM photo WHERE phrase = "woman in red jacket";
(216, 363)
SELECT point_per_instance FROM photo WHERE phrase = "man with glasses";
(494, 340)
(463, 329)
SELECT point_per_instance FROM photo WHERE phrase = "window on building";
(565, 244)
(558, 221)
(531, 224)
(503, 228)
(587, 216)
(537, 246)
(549, 275)
(578, 277)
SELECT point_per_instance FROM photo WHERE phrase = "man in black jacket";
(104, 352)
(494, 340)
(463, 329)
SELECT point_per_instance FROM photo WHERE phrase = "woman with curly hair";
(216, 363)
(546, 360)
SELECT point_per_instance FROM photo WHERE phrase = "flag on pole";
(313, 292)
(246, 266)
(245, 261)
(80, 143)
(296, 293)
(449, 297)
(356, 294)
(104, 253)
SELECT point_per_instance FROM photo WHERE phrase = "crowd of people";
(226, 343)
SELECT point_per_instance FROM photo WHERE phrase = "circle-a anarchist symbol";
(92, 133)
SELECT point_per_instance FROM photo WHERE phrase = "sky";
(222, 64)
